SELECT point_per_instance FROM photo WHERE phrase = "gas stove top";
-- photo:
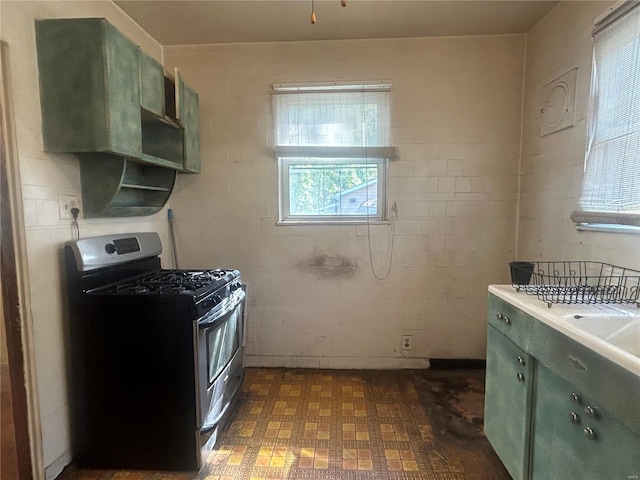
(171, 282)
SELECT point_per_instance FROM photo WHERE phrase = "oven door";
(220, 368)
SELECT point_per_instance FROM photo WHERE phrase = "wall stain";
(329, 266)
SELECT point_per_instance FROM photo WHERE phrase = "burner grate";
(172, 282)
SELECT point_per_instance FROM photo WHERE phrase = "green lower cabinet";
(508, 402)
(574, 438)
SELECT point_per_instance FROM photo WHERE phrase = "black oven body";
(153, 379)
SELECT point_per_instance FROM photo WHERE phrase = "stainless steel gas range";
(155, 354)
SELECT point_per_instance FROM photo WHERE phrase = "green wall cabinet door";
(152, 95)
(576, 438)
(508, 402)
(89, 88)
(189, 117)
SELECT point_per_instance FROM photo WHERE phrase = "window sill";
(290, 223)
(609, 228)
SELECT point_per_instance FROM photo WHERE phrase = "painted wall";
(552, 165)
(44, 176)
(313, 299)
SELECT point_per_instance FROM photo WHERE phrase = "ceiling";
(238, 21)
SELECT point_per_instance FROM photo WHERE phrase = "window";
(611, 186)
(332, 145)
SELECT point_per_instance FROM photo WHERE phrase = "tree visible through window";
(332, 145)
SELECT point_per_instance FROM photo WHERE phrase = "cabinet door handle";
(590, 411)
(575, 398)
(522, 361)
(574, 418)
(589, 433)
(520, 377)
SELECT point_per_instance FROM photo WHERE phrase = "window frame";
(284, 192)
(288, 155)
(588, 216)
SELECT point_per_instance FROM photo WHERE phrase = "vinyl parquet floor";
(347, 424)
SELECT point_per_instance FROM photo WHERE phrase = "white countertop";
(555, 317)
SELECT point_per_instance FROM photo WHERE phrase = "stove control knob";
(207, 304)
(110, 248)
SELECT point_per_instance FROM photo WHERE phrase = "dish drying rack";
(576, 282)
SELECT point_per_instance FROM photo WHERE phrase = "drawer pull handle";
(499, 316)
(521, 361)
(575, 398)
(520, 377)
(589, 433)
(507, 321)
(577, 364)
(574, 418)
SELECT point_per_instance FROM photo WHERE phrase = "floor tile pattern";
(313, 424)
(347, 425)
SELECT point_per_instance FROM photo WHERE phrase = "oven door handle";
(207, 428)
(220, 316)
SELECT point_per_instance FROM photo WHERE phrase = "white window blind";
(611, 186)
(343, 123)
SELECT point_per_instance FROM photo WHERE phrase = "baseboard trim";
(336, 363)
(457, 363)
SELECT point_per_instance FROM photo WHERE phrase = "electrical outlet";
(66, 203)
(407, 342)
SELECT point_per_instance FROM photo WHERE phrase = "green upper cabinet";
(100, 93)
(89, 87)
(189, 116)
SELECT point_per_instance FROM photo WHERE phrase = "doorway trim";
(15, 291)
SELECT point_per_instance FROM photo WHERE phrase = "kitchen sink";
(622, 331)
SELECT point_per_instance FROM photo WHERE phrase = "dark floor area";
(348, 424)
(8, 455)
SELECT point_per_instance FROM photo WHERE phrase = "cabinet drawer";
(610, 386)
(510, 321)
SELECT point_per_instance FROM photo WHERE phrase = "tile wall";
(456, 110)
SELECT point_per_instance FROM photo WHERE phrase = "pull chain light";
(313, 13)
